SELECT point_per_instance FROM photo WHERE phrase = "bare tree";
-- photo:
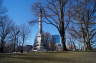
(5, 26)
(24, 32)
(55, 16)
(84, 15)
(14, 36)
(5, 30)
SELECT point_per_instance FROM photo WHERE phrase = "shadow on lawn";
(42, 58)
(34, 58)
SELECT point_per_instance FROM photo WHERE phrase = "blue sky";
(20, 12)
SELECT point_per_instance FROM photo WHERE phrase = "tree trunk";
(63, 40)
(2, 46)
(62, 34)
(22, 50)
(88, 46)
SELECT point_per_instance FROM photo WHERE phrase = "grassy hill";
(50, 57)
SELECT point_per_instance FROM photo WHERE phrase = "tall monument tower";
(38, 45)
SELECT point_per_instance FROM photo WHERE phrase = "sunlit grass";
(39, 57)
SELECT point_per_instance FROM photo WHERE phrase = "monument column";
(39, 39)
(40, 22)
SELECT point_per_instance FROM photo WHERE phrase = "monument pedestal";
(39, 43)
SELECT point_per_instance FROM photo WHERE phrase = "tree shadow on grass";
(50, 59)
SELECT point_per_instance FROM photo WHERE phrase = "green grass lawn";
(39, 57)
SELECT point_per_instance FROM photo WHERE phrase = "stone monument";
(38, 45)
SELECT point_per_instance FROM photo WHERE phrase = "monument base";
(38, 46)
